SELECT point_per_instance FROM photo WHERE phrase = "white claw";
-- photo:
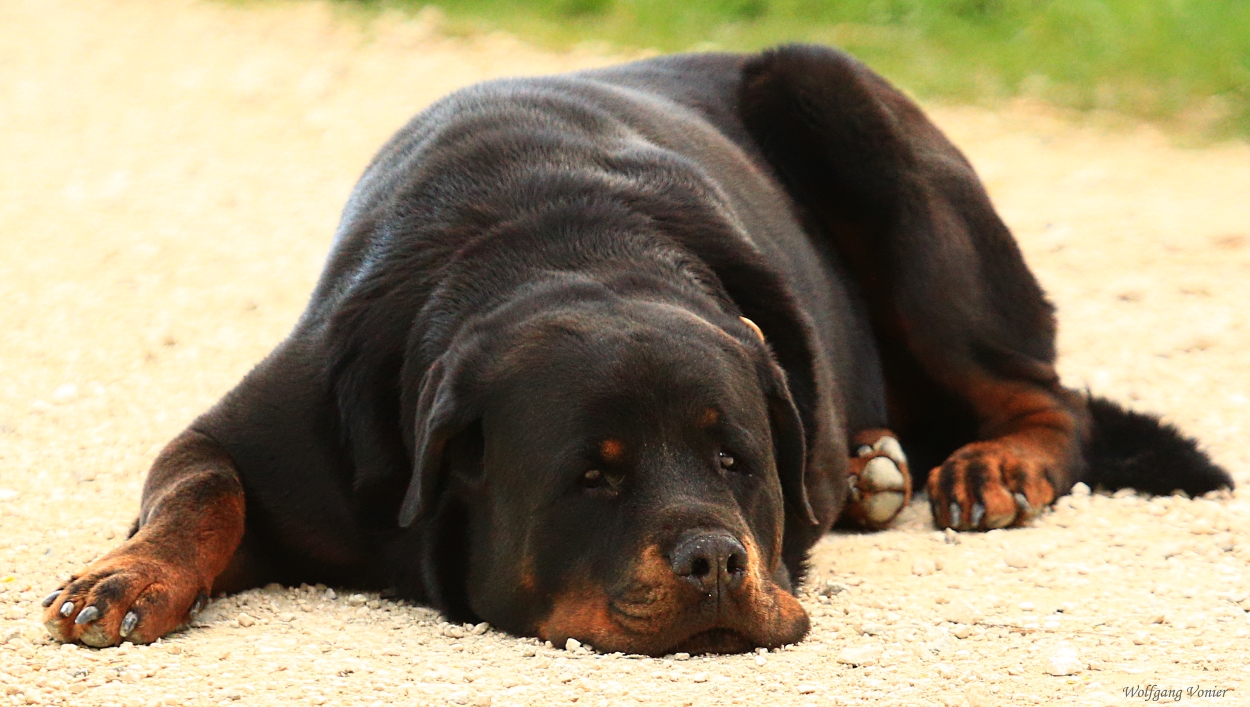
(891, 448)
(882, 474)
(1023, 502)
(863, 451)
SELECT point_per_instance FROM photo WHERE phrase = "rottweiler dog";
(602, 355)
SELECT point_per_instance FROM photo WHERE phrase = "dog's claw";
(87, 615)
(1026, 508)
(47, 601)
(956, 516)
(129, 621)
(198, 605)
(978, 512)
(863, 451)
(67, 608)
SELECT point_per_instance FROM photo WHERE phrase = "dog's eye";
(726, 461)
(593, 479)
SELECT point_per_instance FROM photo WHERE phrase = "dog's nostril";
(700, 567)
(714, 562)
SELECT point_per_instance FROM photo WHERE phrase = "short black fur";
(539, 278)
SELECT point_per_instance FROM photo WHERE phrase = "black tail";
(1139, 451)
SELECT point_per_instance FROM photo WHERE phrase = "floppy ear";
(789, 446)
(439, 414)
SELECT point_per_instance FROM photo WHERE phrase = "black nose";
(713, 562)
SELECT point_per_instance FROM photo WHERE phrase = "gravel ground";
(171, 173)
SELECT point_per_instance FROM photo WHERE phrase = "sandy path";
(170, 175)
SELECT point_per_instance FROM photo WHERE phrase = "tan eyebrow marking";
(612, 449)
(709, 418)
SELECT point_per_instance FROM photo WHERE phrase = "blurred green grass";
(1183, 63)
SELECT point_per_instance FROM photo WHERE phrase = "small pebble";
(923, 566)
(859, 655)
(357, 599)
(977, 697)
(245, 620)
(1064, 661)
(1027, 606)
(805, 689)
(831, 588)
(1019, 558)
(962, 631)
(961, 612)
(1202, 526)
(64, 393)
(572, 644)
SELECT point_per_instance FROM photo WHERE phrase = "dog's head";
(618, 472)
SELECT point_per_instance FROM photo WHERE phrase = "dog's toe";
(883, 474)
(889, 446)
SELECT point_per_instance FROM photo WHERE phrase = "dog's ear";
(443, 409)
(789, 445)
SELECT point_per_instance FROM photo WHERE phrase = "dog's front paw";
(987, 485)
(128, 595)
(880, 482)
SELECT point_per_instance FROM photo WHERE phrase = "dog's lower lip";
(715, 640)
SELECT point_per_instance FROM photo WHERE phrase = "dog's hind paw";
(879, 482)
(988, 485)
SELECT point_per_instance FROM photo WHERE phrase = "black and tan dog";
(602, 356)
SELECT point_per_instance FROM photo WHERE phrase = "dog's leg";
(879, 480)
(952, 303)
(190, 524)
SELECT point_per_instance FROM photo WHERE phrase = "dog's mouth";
(768, 617)
(716, 640)
(657, 611)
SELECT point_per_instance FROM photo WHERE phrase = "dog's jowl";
(600, 356)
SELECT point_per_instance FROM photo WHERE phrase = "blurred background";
(1185, 63)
